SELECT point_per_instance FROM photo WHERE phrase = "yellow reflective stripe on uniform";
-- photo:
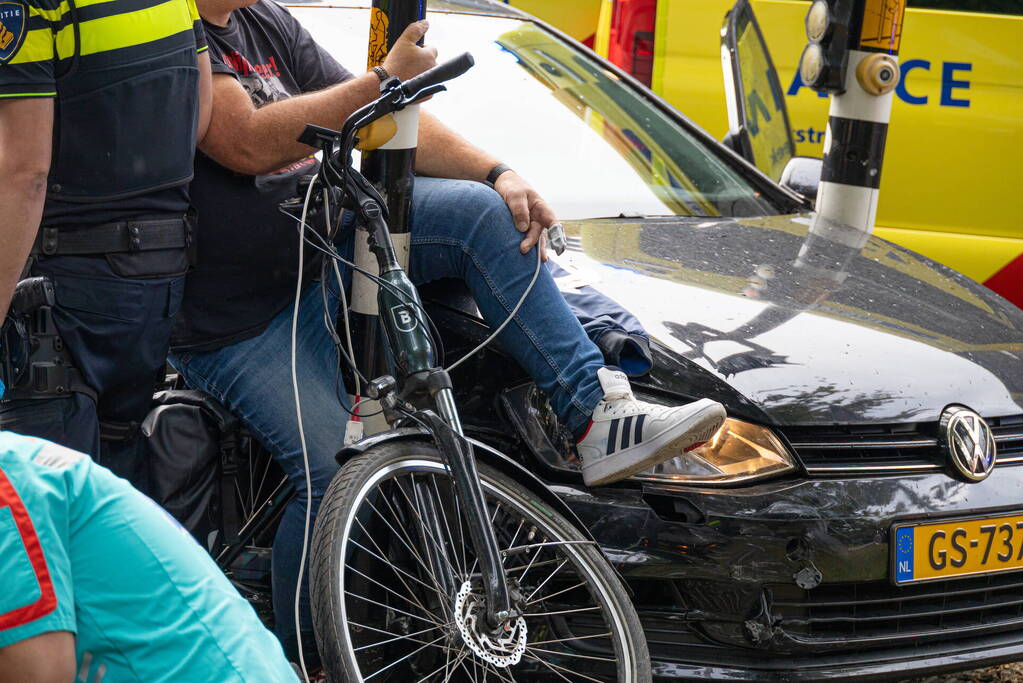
(38, 47)
(51, 15)
(193, 11)
(55, 15)
(126, 30)
(29, 94)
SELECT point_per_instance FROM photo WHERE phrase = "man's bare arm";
(255, 141)
(26, 136)
(46, 658)
(205, 95)
(443, 153)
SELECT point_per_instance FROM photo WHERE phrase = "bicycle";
(426, 564)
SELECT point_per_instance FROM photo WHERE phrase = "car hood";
(791, 320)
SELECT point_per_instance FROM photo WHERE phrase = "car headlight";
(738, 453)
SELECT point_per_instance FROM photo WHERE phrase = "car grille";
(893, 448)
(881, 614)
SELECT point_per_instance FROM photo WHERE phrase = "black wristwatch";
(495, 173)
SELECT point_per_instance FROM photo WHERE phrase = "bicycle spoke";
(422, 522)
(401, 537)
(558, 669)
(444, 516)
(455, 665)
(570, 654)
(551, 595)
(538, 564)
(549, 577)
(493, 518)
(446, 667)
(404, 533)
(396, 570)
(397, 637)
(266, 472)
(565, 640)
(422, 563)
(414, 603)
(564, 611)
(399, 661)
(391, 607)
(490, 667)
(522, 576)
(246, 512)
(389, 633)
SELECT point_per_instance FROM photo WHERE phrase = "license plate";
(965, 547)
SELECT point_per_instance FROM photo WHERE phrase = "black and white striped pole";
(853, 56)
(390, 168)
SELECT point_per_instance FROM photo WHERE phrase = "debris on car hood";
(801, 325)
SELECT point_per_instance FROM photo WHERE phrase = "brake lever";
(423, 94)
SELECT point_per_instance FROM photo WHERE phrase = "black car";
(852, 520)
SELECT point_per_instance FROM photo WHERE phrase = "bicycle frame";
(406, 330)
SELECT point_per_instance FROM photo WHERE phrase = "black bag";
(189, 437)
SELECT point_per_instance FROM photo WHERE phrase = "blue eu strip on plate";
(904, 554)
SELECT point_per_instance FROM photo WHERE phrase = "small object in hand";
(556, 235)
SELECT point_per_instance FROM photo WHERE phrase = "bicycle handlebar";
(453, 68)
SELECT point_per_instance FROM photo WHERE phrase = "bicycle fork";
(408, 336)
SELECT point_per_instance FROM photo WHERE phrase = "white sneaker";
(627, 436)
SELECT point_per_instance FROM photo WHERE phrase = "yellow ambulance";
(955, 145)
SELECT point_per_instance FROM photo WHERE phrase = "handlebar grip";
(452, 68)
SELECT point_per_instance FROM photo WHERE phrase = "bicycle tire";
(394, 476)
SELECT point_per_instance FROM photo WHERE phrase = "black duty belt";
(114, 238)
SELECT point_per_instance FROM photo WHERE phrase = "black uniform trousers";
(117, 329)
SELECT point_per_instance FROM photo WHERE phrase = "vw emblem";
(968, 441)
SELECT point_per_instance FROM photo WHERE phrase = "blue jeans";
(460, 229)
(117, 330)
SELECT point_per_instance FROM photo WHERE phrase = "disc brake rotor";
(502, 649)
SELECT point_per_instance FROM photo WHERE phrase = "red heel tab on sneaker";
(588, 425)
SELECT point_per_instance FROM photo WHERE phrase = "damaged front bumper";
(789, 580)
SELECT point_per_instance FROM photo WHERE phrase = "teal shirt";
(83, 551)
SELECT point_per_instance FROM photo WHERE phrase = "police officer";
(99, 116)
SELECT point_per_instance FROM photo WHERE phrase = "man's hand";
(407, 59)
(531, 214)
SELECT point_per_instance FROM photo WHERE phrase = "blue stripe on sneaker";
(637, 438)
(626, 432)
(612, 436)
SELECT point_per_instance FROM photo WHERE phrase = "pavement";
(1007, 673)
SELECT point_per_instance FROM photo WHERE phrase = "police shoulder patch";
(13, 27)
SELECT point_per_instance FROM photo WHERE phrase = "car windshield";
(590, 143)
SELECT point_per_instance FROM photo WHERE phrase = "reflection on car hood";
(792, 321)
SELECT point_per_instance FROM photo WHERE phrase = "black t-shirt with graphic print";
(247, 249)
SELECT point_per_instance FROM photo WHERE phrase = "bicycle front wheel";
(397, 593)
